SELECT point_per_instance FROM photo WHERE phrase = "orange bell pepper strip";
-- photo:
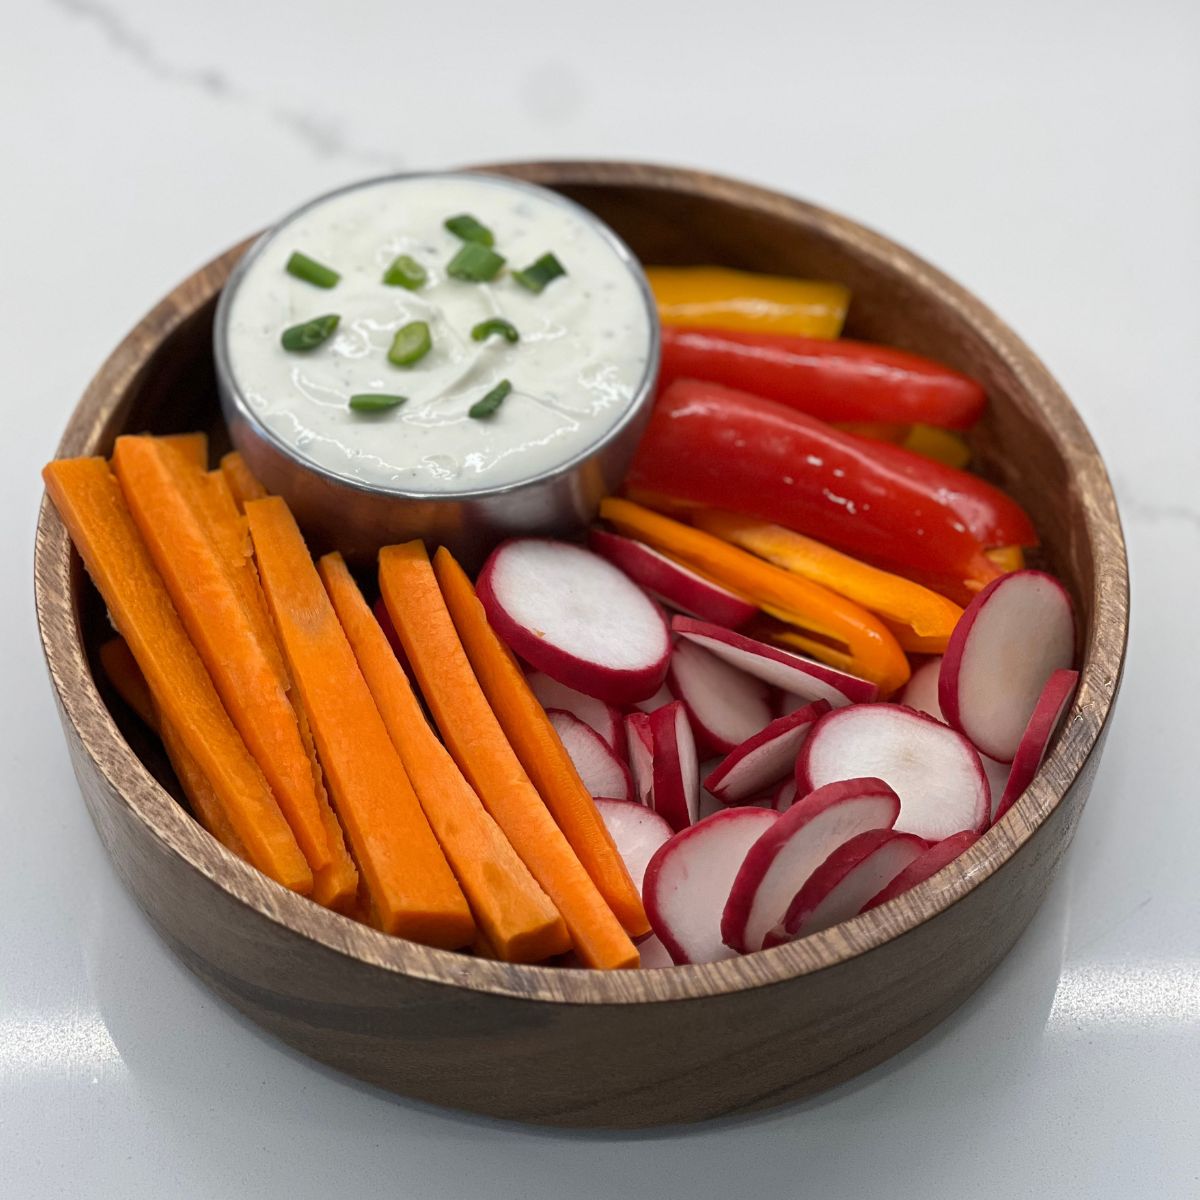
(718, 298)
(870, 651)
(901, 603)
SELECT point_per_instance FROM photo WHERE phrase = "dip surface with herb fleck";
(581, 351)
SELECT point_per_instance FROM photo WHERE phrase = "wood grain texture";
(573, 1047)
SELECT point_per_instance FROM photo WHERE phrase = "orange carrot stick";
(123, 673)
(159, 493)
(243, 483)
(409, 881)
(539, 747)
(193, 447)
(520, 923)
(474, 737)
(90, 503)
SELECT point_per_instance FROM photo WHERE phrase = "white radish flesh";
(603, 718)
(779, 864)
(637, 832)
(571, 614)
(780, 668)
(784, 796)
(689, 878)
(661, 697)
(641, 757)
(1013, 636)
(997, 777)
(675, 585)
(921, 691)
(1048, 713)
(602, 772)
(765, 759)
(934, 770)
(653, 954)
(725, 706)
(925, 867)
(676, 768)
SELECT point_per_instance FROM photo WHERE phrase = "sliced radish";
(676, 768)
(764, 759)
(783, 797)
(921, 691)
(925, 866)
(779, 864)
(641, 756)
(1048, 713)
(603, 718)
(1013, 636)
(653, 954)
(934, 770)
(661, 697)
(997, 776)
(671, 582)
(780, 668)
(602, 772)
(846, 880)
(573, 615)
(689, 878)
(637, 831)
(725, 705)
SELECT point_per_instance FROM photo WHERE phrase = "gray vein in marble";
(323, 136)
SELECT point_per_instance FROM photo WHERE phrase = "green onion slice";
(311, 271)
(475, 263)
(469, 229)
(538, 274)
(405, 272)
(369, 402)
(411, 343)
(311, 334)
(492, 401)
(506, 329)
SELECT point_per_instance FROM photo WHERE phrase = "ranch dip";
(584, 349)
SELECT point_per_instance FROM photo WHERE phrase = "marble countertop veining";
(1044, 154)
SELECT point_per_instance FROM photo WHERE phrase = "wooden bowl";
(573, 1047)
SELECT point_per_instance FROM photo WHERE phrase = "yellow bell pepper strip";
(901, 603)
(939, 444)
(718, 298)
(1007, 558)
(912, 642)
(846, 635)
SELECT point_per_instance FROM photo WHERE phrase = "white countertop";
(1046, 155)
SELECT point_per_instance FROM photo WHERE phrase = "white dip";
(583, 350)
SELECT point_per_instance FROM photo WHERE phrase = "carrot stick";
(474, 737)
(159, 491)
(409, 881)
(243, 483)
(870, 650)
(90, 503)
(122, 671)
(520, 923)
(539, 747)
(193, 446)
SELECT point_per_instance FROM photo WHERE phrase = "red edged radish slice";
(925, 867)
(779, 864)
(571, 614)
(653, 954)
(1013, 636)
(637, 831)
(934, 770)
(784, 796)
(921, 691)
(1051, 707)
(780, 668)
(726, 706)
(846, 880)
(674, 584)
(764, 759)
(997, 776)
(676, 768)
(602, 772)
(661, 697)
(641, 757)
(689, 879)
(603, 718)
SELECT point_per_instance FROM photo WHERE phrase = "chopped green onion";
(492, 401)
(470, 230)
(506, 329)
(370, 402)
(475, 263)
(405, 272)
(311, 271)
(311, 334)
(538, 274)
(411, 343)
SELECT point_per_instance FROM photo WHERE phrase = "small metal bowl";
(359, 517)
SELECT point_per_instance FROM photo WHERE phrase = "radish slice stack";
(765, 759)
(602, 772)
(676, 770)
(603, 718)
(641, 756)
(637, 832)
(725, 706)
(924, 867)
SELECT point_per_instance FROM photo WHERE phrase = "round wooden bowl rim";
(156, 808)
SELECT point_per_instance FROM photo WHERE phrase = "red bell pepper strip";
(836, 380)
(712, 446)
